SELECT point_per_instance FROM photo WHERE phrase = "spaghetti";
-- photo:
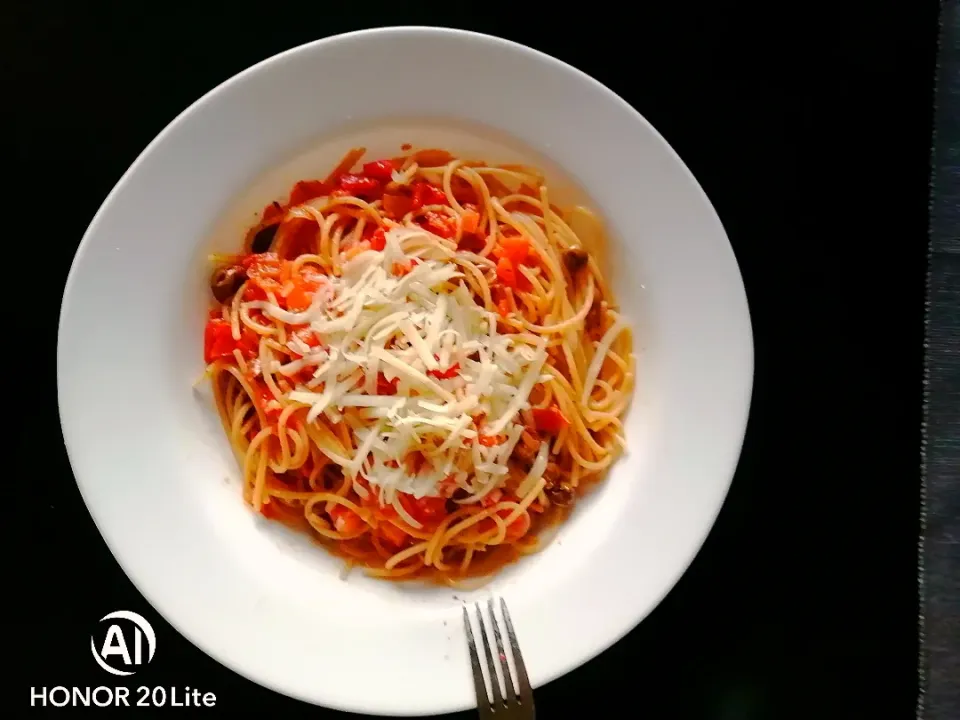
(420, 362)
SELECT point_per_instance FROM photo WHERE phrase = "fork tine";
(508, 684)
(483, 700)
(525, 692)
(491, 660)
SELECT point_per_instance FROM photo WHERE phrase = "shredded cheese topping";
(459, 384)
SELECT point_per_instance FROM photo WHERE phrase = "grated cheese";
(414, 329)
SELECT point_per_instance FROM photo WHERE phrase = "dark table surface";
(809, 128)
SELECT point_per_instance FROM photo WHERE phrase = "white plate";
(155, 469)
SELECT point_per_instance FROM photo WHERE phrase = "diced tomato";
(487, 525)
(463, 191)
(444, 374)
(308, 337)
(359, 185)
(307, 190)
(261, 263)
(249, 343)
(418, 195)
(297, 236)
(503, 307)
(305, 285)
(254, 292)
(378, 241)
(218, 340)
(263, 270)
(549, 420)
(396, 205)
(386, 387)
(442, 225)
(470, 219)
(346, 162)
(308, 281)
(413, 462)
(424, 510)
(492, 498)
(393, 535)
(510, 276)
(471, 243)
(516, 248)
(432, 157)
(448, 486)
(491, 440)
(264, 397)
(371, 500)
(258, 317)
(507, 272)
(402, 268)
(299, 299)
(345, 520)
(271, 214)
(381, 170)
(427, 194)
(386, 511)
(271, 510)
(430, 508)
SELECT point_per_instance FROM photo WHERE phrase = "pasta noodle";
(419, 362)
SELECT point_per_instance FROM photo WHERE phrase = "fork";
(516, 700)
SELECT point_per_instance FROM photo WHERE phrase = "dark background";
(810, 131)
